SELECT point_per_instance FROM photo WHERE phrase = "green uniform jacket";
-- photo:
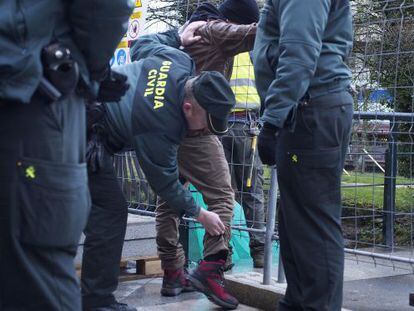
(301, 47)
(90, 28)
(149, 117)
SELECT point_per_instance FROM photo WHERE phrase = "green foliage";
(372, 198)
(365, 191)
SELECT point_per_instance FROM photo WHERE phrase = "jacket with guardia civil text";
(149, 117)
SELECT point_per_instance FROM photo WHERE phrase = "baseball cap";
(214, 94)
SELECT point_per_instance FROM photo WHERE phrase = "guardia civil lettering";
(157, 82)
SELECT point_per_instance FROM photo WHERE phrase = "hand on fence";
(211, 222)
(267, 143)
(188, 36)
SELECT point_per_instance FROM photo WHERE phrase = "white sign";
(135, 29)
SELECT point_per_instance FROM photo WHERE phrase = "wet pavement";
(367, 287)
(145, 295)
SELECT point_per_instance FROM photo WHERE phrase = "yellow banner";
(138, 4)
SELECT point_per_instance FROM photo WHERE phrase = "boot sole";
(171, 292)
(213, 298)
(188, 289)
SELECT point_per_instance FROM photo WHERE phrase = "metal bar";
(397, 116)
(184, 238)
(135, 211)
(281, 278)
(380, 256)
(390, 186)
(373, 160)
(270, 228)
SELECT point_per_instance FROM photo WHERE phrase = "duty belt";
(313, 93)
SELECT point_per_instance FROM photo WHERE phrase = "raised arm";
(232, 39)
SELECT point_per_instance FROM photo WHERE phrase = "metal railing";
(378, 183)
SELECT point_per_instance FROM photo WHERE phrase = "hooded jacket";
(220, 42)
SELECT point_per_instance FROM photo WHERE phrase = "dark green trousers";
(310, 162)
(44, 203)
(104, 236)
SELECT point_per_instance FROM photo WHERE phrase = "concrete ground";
(145, 295)
(376, 285)
(367, 287)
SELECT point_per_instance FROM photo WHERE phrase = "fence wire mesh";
(378, 183)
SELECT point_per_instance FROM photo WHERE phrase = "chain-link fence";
(378, 184)
(378, 194)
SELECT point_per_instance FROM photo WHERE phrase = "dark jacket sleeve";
(97, 28)
(157, 156)
(152, 44)
(231, 39)
(299, 49)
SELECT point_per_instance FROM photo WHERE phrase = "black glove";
(113, 87)
(94, 153)
(94, 114)
(267, 143)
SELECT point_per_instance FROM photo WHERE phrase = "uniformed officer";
(45, 54)
(300, 53)
(164, 102)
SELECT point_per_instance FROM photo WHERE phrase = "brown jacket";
(220, 42)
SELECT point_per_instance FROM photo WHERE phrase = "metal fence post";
(270, 228)
(390, 187)
(281, 277)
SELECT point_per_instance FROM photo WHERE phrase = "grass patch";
(370, 197)
(371, 178)
(373, 198)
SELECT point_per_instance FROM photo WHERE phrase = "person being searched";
(230, 30)
(165, 102)
(47, 70)
(304, 82)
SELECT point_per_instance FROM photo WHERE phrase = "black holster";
(60, 72)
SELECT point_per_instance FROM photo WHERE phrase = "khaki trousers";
(202, 162)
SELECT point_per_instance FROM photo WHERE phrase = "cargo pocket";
(53, 202)
(318, 172)
(316, 159)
